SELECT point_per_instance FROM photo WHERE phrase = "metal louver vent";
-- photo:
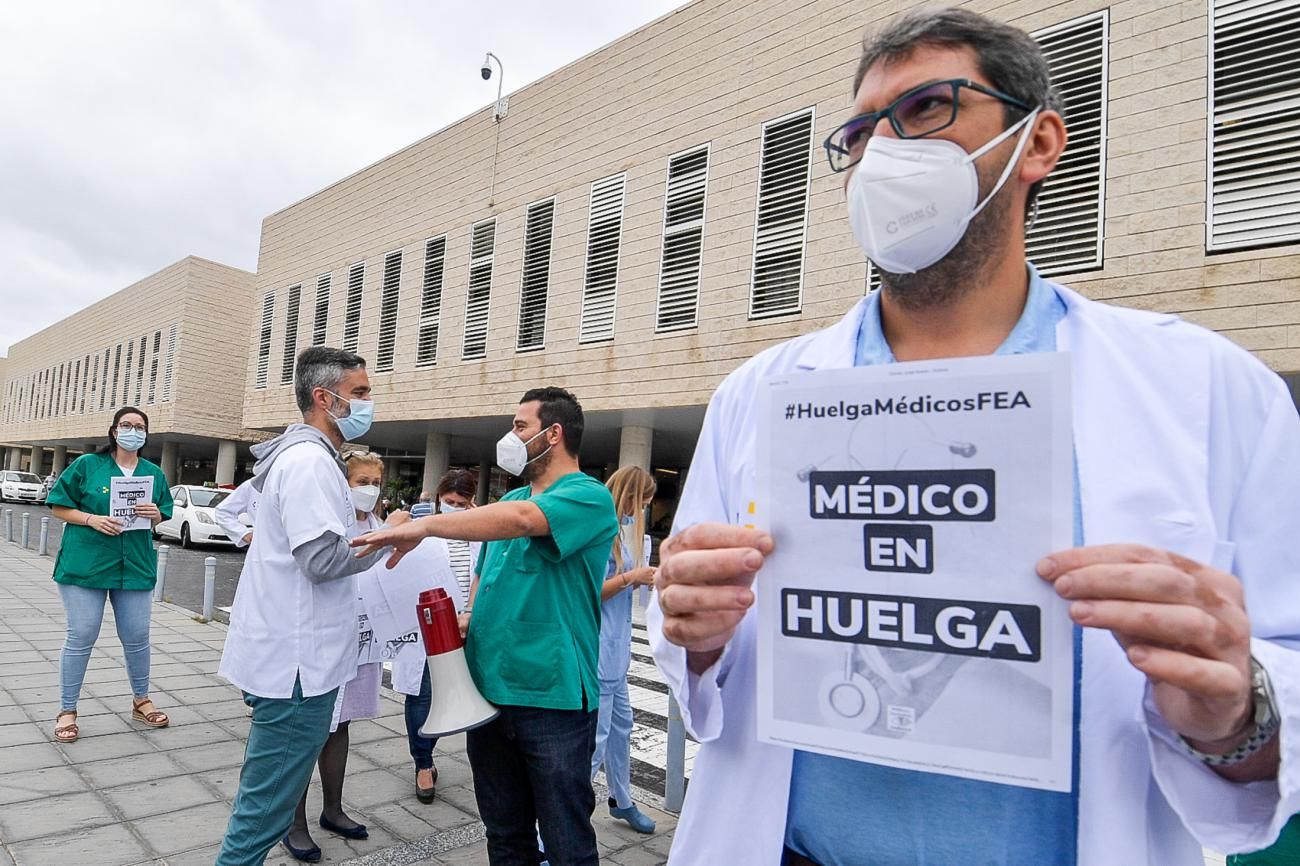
(435, 260)
(535, 285)
(1067, 235)
(290, 335)
(780, 226)
(678, 302)
(169, 367)
(388, 300)
(604, 235)
(139, 378)
(478, 300)
(264, 339)
(352, 313)
(103, 383)
(117, 373)
(126, 373)
(322, 314)
(153, 366)
(1254, 196)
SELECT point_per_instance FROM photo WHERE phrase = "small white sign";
(124, 495)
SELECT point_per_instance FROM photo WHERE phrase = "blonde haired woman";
(633, 489)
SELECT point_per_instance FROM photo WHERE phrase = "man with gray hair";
(1187, 710)
(293, 629)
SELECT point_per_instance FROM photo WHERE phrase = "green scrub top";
(95, 560)
(534, 638)
(1284, 852)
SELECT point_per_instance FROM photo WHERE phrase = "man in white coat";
(1188, 729)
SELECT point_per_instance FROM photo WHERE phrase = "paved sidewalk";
(123, 794)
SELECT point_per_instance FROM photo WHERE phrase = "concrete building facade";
(645, 219)
(172, 344)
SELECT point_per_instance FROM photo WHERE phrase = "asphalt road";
(183, 584)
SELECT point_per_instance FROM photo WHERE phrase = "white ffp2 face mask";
(911, 199)
(512, 452)
(364, 498)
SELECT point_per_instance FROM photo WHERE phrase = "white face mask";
(447, 508)
(910, 199)
(364, 498)
(512, 452)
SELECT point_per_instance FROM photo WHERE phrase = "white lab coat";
(1185, 442)
(230, 513)
(283, 626)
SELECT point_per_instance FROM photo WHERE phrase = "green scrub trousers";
(285, 739)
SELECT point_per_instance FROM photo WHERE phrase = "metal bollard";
(44, 547)
(9, 525)
(209, 585)
(26, 530)
(162, 572)
(675, 772)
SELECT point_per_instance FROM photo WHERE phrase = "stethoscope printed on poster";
(900, 619)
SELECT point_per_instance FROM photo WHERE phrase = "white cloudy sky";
(136, 132)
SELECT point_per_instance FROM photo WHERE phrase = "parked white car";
(21, 487)
(193, 518)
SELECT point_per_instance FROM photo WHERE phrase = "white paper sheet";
(123, 494)
(392, 615)
(900, 619)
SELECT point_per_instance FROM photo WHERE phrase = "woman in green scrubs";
(99, 562)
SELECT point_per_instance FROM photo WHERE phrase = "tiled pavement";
(124, 794)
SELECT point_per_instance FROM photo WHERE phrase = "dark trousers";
(532, 768)
(417, 710)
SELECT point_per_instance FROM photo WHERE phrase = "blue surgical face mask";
(130, 439)
(355, 424)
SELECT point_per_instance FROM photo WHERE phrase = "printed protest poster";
(123, 494)
(900, 619)
(393, 612)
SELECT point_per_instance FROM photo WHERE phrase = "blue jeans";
(613, 741)
(85, 611)
(283, 743)
(417, 710)
(532, 769)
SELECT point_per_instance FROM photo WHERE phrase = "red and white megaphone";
(457, 705)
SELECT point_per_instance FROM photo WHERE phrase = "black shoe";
(306, 855)
(426, 795)
(357, 832)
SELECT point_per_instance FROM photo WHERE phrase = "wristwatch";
(1266, 722)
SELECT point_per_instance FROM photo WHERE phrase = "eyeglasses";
(355, 455)
(919, 112)
(126, 428)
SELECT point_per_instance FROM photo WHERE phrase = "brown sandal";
(154, 718)
(66, 733)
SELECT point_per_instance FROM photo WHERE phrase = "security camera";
(487, 72)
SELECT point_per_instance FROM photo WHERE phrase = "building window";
(388, 301)
(604, 240)
(94, 383)
(535, 286)
(352, 312)
(264, 340)
(322, 314)
(781, 223)
(1254, 171)
(153, 366)
(169, 367)
(1066, 236)
(435, 259)
(678, 301)
(103, 384)
(478, 300)
(290, 336)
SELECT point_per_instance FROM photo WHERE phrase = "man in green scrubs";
(534, 633)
